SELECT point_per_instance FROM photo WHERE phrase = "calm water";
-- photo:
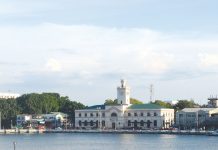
(82, 141)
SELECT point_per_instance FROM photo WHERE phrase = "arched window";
(91, 114)
(103, 123)
(85, 114)
(85, 123)
(141, 123)
(129, 114)
(135, 123)
(80, 115)
(113, 115)
(80, 123)
(96, 123)
(148, 123)
(91, 123)
(129, 123)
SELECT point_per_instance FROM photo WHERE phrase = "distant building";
(213, 102)
(9, 95)
(23, 120)
(190, 118)
(49, 121)
(124, 115)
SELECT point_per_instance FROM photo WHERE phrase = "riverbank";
(173, 132)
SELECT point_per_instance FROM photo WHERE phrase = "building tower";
(123, 93)
(213, 101)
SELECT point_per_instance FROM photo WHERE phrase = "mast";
(151, 92)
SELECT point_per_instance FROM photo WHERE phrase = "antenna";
(151, 92)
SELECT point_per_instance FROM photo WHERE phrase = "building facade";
(49, 121)
(195, 118)
(124, 115)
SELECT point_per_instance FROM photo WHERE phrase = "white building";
(190, 118)
(124, 115)
(9, 95)
(213, 102)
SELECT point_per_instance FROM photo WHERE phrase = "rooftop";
(145, 106)
(96, 107)
(197, 109)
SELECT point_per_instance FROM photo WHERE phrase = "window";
(96, 114)
(91, 114)
(155, 123)
(142, 123)
(85, 114)
(148, 124)
(142, 114)
(79, 114)
(148, 114)
(103, 114)
(135, 124)
(135, 114)
(113, 115)
(96, 124)
(129, 114)
(129, 123)
(80, 123)
(91, 123)
(103, 123)
(155, 114)
(85, 123)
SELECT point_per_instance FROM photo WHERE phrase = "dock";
(172, 132)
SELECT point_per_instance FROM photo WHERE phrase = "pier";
(172, 132)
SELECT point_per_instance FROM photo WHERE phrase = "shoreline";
(170, 132)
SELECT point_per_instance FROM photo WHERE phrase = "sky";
(82, 49)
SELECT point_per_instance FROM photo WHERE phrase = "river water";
(97, 141)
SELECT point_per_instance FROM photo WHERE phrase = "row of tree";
(179, 106)
(36, 104)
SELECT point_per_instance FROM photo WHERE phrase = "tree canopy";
(135, 101)
(185, 104)
(115, 102)
(35, 103)
(162, 103)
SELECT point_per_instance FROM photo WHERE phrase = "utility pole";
(151, 92)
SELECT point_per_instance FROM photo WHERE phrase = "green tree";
(69, 107)
(135, 101)
(110, 102)
(9, 111)
(185, 104)
(163, 104)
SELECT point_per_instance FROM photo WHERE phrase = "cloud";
(67, 57)
(92, 51)
(209, 60)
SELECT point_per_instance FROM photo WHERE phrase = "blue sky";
(83, 48)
